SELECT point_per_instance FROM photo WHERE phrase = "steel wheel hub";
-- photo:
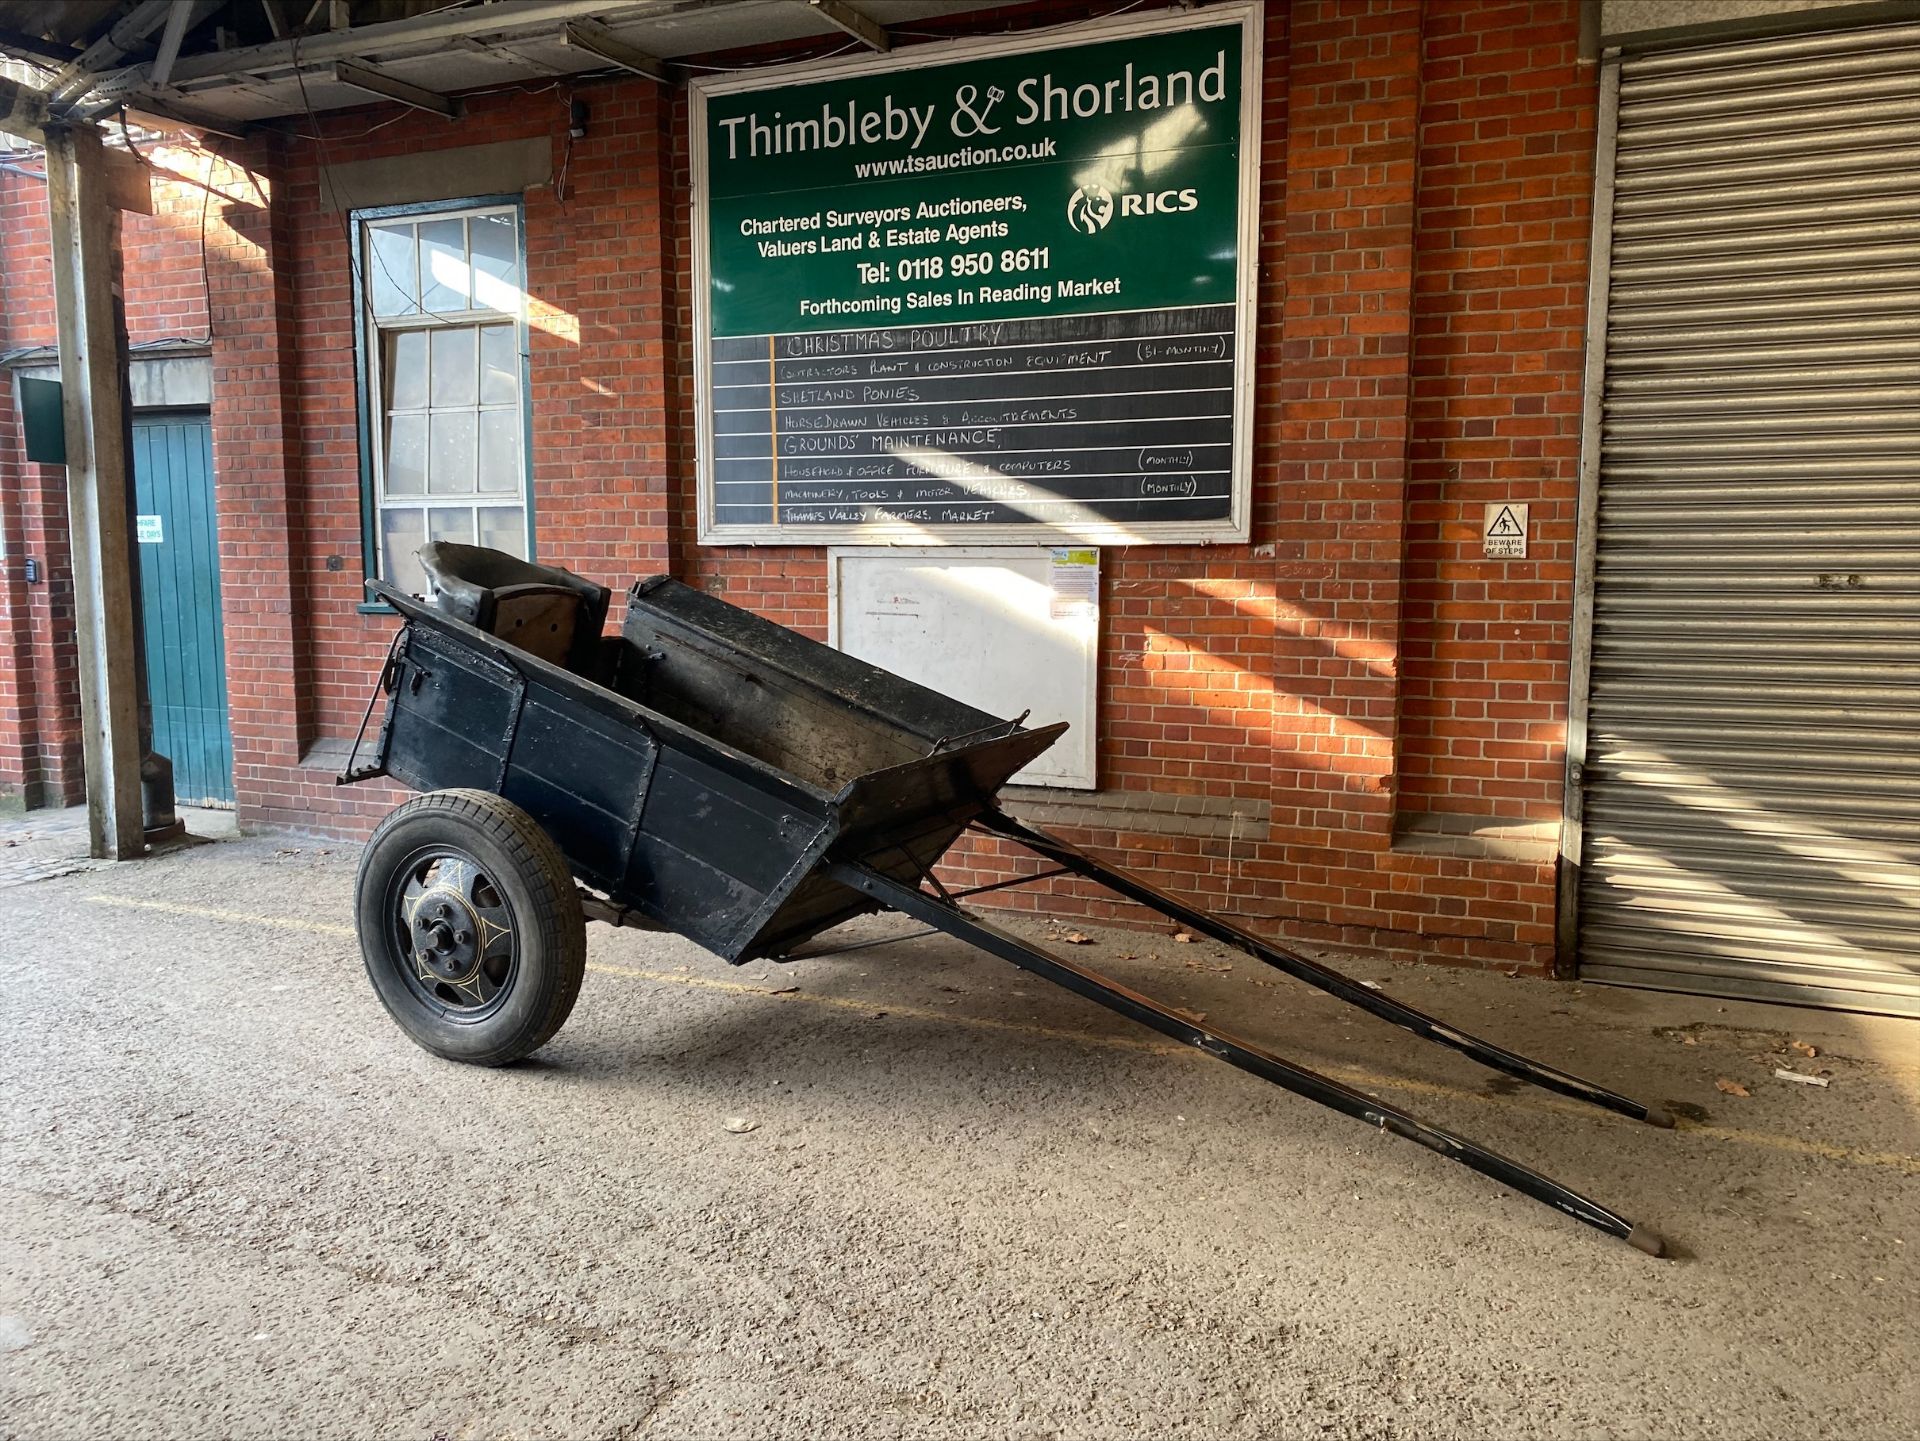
(456, 931)
(444, 940)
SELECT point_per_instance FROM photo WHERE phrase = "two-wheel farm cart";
(711, 773)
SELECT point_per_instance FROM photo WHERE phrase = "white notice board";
(1003, 628)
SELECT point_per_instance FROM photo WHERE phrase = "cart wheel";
(470, 926)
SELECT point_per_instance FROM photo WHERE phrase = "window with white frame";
(444, 327)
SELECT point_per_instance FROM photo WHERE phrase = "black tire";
(470, 926)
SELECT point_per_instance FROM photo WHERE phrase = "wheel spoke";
(454, 931)
(493, 924)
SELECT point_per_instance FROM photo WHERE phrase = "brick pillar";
(19, 720)
(39, 684)
(19, 725)
(605, 508)
(257, 486)
(39, 640)
(1352, 142)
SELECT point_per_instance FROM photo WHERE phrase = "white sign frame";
(1237, 527)
(1054, 771)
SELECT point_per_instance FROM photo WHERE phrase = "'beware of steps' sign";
(1504, 535)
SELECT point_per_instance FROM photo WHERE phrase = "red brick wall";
(1187, 700)
(40, 760)
(1354, 668)
(23, 777)
(1506, 183)
(1331, 668)
(602, 421)
(1343, 390)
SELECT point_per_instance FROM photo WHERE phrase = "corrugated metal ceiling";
(446, 49)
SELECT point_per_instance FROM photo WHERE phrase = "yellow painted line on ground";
(1894, 1160)
(214, 913)
(1352, 1076)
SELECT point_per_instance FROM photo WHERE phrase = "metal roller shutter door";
(1750, 791)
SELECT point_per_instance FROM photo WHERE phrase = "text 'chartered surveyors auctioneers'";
(1000, 290)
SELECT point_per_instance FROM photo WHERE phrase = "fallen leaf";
(783, 990)
(1076, 938)
(1804, 1049)
(1183, 938)
(1195, 1016)
(1731, 1088)
(1373, 985)
(1689, 1040)
(739, 1125)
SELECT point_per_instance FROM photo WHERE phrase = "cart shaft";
(1126, 884)
(1256, 1060)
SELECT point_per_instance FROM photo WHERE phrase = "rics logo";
(1090, 208)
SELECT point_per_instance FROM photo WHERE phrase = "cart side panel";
(661, 604)
(461, 718)
(965, 778)
(790, 725)
(802, 707)
(453, 710)
(715, 855)
(820, 903)
(585, 778)
(899, 822)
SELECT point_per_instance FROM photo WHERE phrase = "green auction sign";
(982, 291)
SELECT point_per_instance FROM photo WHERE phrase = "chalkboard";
(995, 290)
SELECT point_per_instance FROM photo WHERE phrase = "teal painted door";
(180, 597)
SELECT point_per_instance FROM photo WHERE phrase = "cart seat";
(543, 609)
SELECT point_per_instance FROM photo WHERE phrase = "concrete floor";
(235, 1201)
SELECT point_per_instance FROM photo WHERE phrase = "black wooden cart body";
(711, 773)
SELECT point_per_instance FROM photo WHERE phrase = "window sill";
(1492, 838)
(1142, 812)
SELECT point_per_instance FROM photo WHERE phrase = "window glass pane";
(454, 380)
(451, 395)
(402, 532)
(450, 465)
(406, 368)
(450, 522)
(443, 266)
(496, 262)
(391, 278)
(499, 366)
(407, 455)
(500, 451)
(504, 527)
